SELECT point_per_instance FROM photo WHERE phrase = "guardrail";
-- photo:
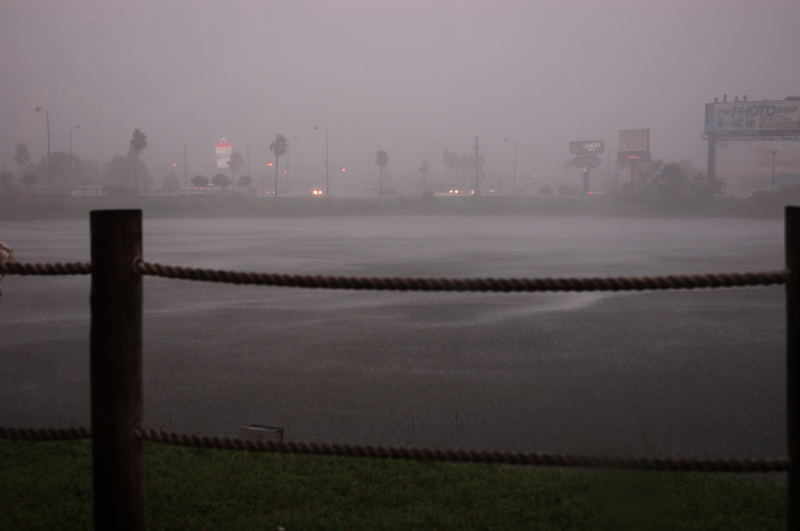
(117, 269)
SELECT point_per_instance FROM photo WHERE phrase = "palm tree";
(137, 145)
(381, 159)
(279, 147)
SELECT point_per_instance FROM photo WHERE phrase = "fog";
(413, 78)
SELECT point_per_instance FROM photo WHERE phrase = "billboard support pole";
(585, 181)
(772, 182)
(711, 169)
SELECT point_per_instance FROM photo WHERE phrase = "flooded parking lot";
(671, 373)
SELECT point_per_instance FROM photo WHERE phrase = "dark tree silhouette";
(29, 179)
(137, 144)
(200, 181)
(22, 155)
(221, 180)
(279, 147)
(63, 165)
(244, 181)
(7, 183)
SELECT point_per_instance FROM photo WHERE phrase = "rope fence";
(44, 434)
(464, 456)
(49, 269)
(414, 454)
(117, 270)
(503, 285)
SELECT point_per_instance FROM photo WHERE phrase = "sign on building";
(634, 140)
(224, 150)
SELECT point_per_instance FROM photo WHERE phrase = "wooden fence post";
(116, 370)
(793, 365)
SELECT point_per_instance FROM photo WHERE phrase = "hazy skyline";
(413, 78)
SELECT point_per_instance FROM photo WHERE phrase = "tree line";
(69, 171)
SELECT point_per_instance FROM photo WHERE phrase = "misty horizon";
(412, 78)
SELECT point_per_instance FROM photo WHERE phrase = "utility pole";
(514, 183)
(477, 193)
(186, 167)
(327, 168)
(514, 175)
(247, 156)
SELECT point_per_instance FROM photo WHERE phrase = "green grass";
(47, 485)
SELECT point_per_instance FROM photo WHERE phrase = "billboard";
(586, 147)
(224, 150)
(753, 117)
(634, 140)
(587, 161)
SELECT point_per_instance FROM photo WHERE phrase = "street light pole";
(76, 126)
(514, 175)
(49, 163)
(327, 180)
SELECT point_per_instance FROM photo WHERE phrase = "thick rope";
(718, 280)
(54, 268)
(464, 456)
(721, 280)
(415, 454)
(44, 434)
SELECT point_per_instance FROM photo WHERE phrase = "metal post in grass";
(116, 370)
(793, 365)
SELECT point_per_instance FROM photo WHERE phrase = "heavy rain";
(431, 139)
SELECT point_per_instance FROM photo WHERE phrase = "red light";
(174, 164)
(344, 170)
(269, 164)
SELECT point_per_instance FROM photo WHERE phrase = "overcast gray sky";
(411, 77)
